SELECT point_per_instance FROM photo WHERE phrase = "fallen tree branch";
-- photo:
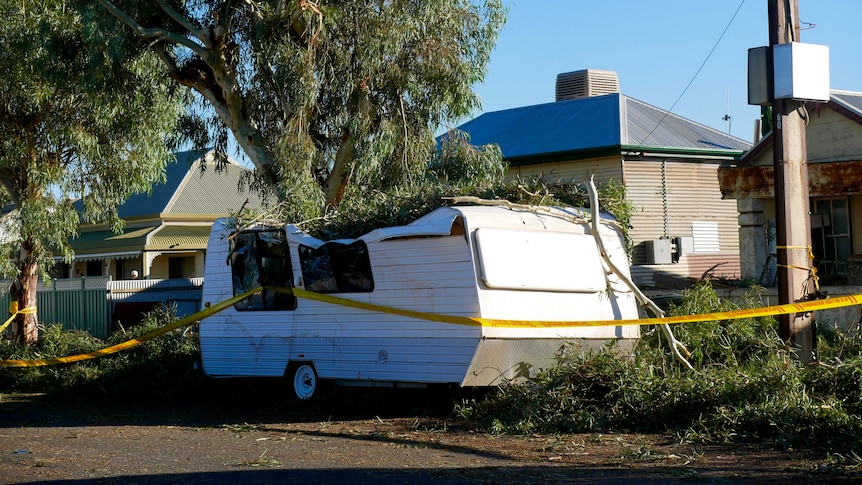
(675, 345)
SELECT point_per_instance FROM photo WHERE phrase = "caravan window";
(337, 268)
(260, 259)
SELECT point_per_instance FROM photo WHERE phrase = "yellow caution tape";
(14, 312)
(189, 320)
(802, 307)
(790, 308)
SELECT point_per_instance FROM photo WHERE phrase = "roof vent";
(586, 83)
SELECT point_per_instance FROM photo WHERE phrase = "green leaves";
(84, 114)
(328, 93)
(747, 386)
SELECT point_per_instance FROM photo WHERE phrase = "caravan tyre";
(304, 382)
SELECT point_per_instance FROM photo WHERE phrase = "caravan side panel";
(239, 343)
(433, 275)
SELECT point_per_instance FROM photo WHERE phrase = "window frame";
(262, 276)
(336, 267)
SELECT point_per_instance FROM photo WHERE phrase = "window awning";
(173, 238)
(103, 256)
(132, 242)
(100, 244)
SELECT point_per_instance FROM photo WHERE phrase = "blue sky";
(656, 47)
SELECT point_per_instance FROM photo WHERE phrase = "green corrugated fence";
(77, 304)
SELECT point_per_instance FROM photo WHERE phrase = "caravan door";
(260, 258)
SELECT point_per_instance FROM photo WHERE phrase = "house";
(668, 164)
(834, 144)
(167, 230)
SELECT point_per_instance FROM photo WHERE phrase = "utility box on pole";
(801, 71)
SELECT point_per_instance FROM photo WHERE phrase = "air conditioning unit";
(586, 83)
(658, 251)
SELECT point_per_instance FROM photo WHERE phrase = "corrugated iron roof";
(651, 127)
(188, 190)
(179, 237)
(612, 121)
(212, 192)
(563, 126)
(157, 200)
(101, 244)
(849, 99)
(131, 239)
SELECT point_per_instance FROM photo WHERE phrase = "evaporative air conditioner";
(586, 83)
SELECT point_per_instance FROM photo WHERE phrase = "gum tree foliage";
(82, 115)
(328, 94)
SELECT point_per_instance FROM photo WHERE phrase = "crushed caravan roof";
(439, 222)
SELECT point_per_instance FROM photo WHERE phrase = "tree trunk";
(336, 182)
(24, 328)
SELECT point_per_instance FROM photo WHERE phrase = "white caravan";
(482, 262)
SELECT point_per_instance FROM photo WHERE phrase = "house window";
(337, 268)
(260, 260)
(830, 237)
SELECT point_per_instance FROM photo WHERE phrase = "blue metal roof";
(612, 121)
(563, 126)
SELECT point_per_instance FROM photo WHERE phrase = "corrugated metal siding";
(693, 195)
(603, 169)
(76, 304)
(644, 189)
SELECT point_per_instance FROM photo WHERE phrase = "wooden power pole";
(793, 224)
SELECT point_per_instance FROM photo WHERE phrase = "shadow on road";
(497, 475)
(231, 401)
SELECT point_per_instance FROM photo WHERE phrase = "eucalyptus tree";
(323, 94)
(83, 115)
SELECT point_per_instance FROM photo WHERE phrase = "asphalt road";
(242, 435)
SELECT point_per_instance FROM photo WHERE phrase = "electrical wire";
(696, 73)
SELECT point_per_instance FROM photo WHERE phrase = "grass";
(163, 366)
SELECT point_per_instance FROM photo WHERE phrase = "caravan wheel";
(304, 382)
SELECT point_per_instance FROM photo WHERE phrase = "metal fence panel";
(76, 304)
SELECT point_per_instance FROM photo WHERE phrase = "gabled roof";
(176, 215)
(187, 190)
(595, 125)
(847, 103)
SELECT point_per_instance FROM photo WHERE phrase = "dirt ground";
(245, 433)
